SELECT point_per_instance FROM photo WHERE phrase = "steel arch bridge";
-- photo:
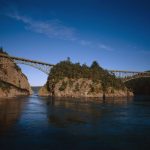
(46, 67)
(129, 75)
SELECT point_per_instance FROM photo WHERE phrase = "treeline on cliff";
(2, 51)
(1, 65)
(76, 71)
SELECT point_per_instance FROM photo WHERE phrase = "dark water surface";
(40, 123)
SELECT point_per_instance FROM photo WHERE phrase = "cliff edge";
(12, 81)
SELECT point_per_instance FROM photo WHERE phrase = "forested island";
(68, 79)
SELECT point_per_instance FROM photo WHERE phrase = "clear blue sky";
(116, 33)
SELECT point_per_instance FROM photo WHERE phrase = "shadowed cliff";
(140, 86)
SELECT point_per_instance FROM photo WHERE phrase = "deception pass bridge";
(46, 67)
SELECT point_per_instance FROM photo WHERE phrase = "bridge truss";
(129, 75)
(43, 67)
(46, 68)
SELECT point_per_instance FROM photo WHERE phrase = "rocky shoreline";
(82, 88)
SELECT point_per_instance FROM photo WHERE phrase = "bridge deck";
(45, 67)
(26, 60)
(124, 71)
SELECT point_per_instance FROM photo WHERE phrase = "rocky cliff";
(139, 86)
(82, 88)
(12, 81)
(73, 80)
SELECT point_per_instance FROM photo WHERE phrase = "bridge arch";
(126, 76)
(133, 78)
(35, 76)
(44, 68)
(140, 85)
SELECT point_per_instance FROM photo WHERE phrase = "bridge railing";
(123, 74)
(25, 60)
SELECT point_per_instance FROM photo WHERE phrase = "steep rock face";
(81, 88)
(12, 81)
(44, 91)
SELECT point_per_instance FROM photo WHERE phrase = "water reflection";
(64, 112)
(10, 112)
(70, 123)
(61, 112)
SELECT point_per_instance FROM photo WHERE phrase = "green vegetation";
(70, 83)
(76, 71)
(77, 88)
(94, 88)
(2, 51)
(63, 86)
(16, 66)
(4, 85)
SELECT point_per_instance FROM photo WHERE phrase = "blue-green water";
(40, 123)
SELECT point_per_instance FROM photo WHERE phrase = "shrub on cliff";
(2, 51)
(4, 85)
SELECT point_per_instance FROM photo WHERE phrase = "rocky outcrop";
(81, 88)
(44, 91)
(12, 81)
(68, 79)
